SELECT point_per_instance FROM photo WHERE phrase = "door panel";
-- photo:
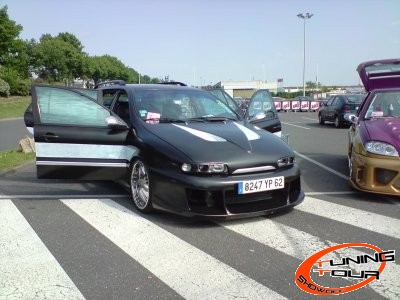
(72, 138)
(261, 112)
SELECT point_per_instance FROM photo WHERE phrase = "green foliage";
(13, 107)
(56, 60)
(17, 86)
(4, 88)
(9, 32)
(13, 158)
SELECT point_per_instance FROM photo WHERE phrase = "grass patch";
(12, 158)
(13, 107)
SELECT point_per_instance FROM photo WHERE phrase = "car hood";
(223, 142)
(380, 74)
(383, 129)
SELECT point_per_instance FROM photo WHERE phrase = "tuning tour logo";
(364, 264)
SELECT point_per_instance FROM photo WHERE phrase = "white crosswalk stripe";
(169, 258)
(188, 270)
(301, 244)
(366, 220)
(27, 269)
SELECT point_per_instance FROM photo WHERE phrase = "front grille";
(256, 201)
(384, 176)
(221, 202)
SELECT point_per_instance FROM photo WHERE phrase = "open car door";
(262, 113)
(75, 137)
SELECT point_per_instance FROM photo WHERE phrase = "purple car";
(374, 136)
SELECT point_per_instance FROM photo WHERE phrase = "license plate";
(260, 185)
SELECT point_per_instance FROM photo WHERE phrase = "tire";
(320, 120)
(139, 181)
(337, 122)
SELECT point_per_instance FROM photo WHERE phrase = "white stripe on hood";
(250, 134)
(201, 134)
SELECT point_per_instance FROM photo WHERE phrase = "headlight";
(205, 168)
(381, 148)
(286, 161)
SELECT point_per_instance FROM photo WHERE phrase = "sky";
(203, 42)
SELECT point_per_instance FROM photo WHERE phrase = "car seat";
(123, 111)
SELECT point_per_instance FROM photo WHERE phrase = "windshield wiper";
(163, 120)
(171, 120)
(211, 119)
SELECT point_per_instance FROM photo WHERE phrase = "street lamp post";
(304, 17)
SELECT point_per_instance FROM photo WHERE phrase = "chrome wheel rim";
(140, 185)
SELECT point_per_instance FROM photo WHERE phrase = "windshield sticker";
(142, 112)
(153, 118)
(377, 114)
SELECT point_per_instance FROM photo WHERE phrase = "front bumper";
(375, 173)
(217, 196)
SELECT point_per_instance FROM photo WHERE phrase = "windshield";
(357, 98)
(384, 104)
(163, 106)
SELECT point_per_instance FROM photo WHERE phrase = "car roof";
(145, 86)
(380, 74)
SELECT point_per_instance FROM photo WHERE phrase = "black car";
(224, 96)
(337, 106)
(259, 110)
(180, 149)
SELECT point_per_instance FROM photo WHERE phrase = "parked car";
(180, 149)
(374, 144)
(337, 106)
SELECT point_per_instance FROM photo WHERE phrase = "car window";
(262, 102)
(66, 107)
(88, 92)
(355, 98)
(337, 101)
(329, 103)
(108, 96)
(179, 105)
(384, 104)
(121, 106)
(228, 100)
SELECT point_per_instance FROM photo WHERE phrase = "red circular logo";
(303, 277)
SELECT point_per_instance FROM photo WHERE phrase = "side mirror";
(351, 117)
(257, 116)
(114, 123)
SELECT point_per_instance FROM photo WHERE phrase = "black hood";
(233, 142)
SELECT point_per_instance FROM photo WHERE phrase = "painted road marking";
(295, 125)
(191, 272)
(322, 166)
(348, 215)
(300, 244)
(27, 268)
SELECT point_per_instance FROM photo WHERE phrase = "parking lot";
(90, 235)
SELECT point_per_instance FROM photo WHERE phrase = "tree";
(55, 59)
(106, 67)
(14, 58)
(310, 85)
(9, 32)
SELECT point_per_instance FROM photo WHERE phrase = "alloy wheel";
(140, 186)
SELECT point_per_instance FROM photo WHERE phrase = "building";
(245, 89)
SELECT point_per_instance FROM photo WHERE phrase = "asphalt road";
(11, 132)
(85, 240)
